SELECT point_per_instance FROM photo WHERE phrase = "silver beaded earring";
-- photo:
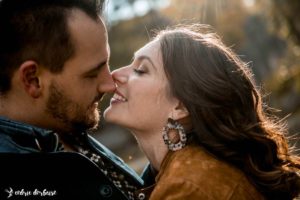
(173, 125)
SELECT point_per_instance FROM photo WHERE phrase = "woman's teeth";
(119, 98)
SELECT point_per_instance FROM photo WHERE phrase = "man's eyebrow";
(96, 68)
(143, 57)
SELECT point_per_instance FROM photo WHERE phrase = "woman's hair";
(228, 116)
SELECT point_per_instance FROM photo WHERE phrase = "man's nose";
(107, 84)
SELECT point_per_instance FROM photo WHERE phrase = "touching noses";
(106, 84)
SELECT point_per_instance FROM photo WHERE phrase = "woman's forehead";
(149, 49)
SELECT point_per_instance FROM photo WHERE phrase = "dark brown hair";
(227, 111)
(37, 30)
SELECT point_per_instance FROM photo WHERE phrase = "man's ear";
(180, 111)
(29, 78)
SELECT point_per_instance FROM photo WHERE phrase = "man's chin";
(89, 123)
(92, 129)
(84, 127)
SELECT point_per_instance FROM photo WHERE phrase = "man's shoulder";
(7, 144)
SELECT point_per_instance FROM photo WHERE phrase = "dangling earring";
(173, 125)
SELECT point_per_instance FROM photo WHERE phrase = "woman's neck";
(153, 146)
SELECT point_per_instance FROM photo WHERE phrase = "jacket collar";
(29, 136)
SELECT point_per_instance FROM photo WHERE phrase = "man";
(53, 72)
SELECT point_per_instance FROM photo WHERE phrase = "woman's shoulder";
(202, 174)
(195, 163)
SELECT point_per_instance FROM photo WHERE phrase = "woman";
(199, 118)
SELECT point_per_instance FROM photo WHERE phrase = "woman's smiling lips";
(118, 97)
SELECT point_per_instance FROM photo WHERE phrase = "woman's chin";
(111, 117)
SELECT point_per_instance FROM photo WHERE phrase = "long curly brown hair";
(228, 116)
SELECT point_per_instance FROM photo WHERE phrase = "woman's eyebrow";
(143, 57)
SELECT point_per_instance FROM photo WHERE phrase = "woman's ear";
(29, 78)
(182, 116)
(180, 111)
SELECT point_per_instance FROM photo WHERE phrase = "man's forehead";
(78, 20)
(87, 33)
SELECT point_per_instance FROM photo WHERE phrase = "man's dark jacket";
(31, 170)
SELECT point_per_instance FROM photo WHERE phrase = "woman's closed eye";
(139, 71)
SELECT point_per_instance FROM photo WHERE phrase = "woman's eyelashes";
(140, 70)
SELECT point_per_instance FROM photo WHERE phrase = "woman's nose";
(120, 76)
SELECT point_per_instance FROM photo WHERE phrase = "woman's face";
(142, 101)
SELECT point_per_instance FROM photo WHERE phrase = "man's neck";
(67, 141)
(19, 109)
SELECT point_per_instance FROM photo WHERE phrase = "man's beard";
(75, 118)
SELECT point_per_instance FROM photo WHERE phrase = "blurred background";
(265, 33)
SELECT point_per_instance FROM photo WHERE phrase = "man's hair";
(37, 30)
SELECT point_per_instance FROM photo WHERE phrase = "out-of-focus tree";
(225, 16)
(245, 28)
(263, 48)
(119, 10)
(287, 15)
(128, 36)
(285, 82)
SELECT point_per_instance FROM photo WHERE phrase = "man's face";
(73, 94)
